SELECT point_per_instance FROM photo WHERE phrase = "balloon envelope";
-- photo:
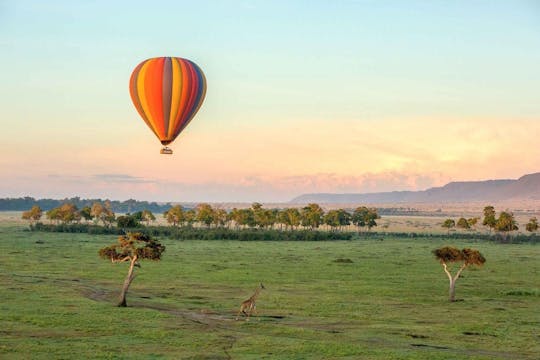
(167, 92)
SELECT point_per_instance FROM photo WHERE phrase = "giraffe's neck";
(254, 296)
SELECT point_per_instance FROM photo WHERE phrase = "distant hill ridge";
(526, 187)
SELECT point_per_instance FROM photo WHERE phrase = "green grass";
(57, 300)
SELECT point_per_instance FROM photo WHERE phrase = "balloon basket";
(166, 151)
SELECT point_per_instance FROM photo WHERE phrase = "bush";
(254, 234)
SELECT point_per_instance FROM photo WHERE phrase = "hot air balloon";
(167, 92)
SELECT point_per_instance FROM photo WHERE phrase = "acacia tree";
(220, 217)
(205, 214)
(462, 223)
(190, 217)
(290, 217)
(532, 225)
(364, 216)
(337, 219)
(53, 215)
(472, 222)
(66, 213)
(259, 215)
(448, 224)
(312, 216)
(370, 218)
(147, 216)
(69, 213)
(467, 257)
(506, 223)
(131, 248)
(175, 215)
(86, 213)
(244, 217)
(34, 214)
(102, 212)
(489, 217)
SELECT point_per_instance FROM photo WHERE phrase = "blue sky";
(326, 72)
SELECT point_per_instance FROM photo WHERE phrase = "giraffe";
(248, 306)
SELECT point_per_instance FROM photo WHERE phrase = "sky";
(302, 97)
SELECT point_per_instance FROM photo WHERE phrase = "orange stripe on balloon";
(153, 89)
(142, 96)
(138, 89)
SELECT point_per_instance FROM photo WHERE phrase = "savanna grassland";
(372, 298)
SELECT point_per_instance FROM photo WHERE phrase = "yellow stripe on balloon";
(175, 97)
(142, 96)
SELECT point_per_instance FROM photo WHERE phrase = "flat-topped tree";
(489, 217)
(131, 248)
(466, 257)
(364, 216)
(34, 214)
(532, 225)
(448, 224)
(462, 223)
(175, 215)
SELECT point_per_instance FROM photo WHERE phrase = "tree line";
(504, 224)
(310, 217)
(128, 206)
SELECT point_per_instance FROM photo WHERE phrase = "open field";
(390, 301)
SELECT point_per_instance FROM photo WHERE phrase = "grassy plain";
(389, 302)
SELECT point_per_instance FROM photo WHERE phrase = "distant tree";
(359, 217)
(364, 216)
(53, 215)
(258, 214)
(472, 222)
(246, 217)
(34, 214)
(290, 217)
(234, 216)
(337, 218)
(344, 218)
(102, 212)
(466, 257)
(448, 224)
(205, 214)
(312, 216)
(132, 247)
(506, 223)
(331, 218)
(220, 217)
(137, 215)
(127, 221)
(532, 225)
(147, 216)
(190, 217)
(86, 213)
(175, 215)
(372, 215)
(271, 217)
(65, 213)
(462, 223)
(489, 217)
(70, 213)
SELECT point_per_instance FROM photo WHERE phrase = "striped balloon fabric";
(167, 92)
